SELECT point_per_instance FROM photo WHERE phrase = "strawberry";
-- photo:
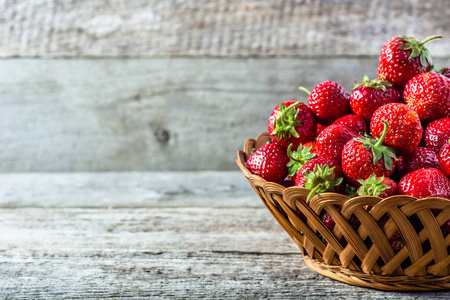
(382, 187)
(331, 141)
(354, 122)
(320, 175)
(291, 122)
(361, 157)
(320, 127)
(437, 133)
(429, 95)
(368, 95)
(402, 58)
(269, 162)
(421, 157)
(424, 183)
(444, 159)
(405, 130)
(396, 241)
(329, 101)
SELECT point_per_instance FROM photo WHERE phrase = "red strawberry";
(320, 175)
(269, 162)
(362, 157)
(331, 141)
(291, 122)
(367, 96)
(405, 130)
(354, 122)
(382, 187)
(402, 58)
(421, 157)
(320, 127)
(424, 183)
(444, 159)
(437, 133)
(328, 101)
(397, 241)
(429, 95)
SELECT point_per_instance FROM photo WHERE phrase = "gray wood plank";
(215, 28)
(127, 190)
(114, 114)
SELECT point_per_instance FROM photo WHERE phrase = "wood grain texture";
(67, 250)
(113, 114)
(215, 28)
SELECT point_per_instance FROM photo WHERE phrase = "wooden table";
(159, 235)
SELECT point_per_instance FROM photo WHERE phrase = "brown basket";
(377, 266)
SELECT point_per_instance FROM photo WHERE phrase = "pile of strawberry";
(389, 136)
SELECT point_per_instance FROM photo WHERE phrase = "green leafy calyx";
(378, 84)
(417, 48)
(378, 150)
(372, 186)
(320, 180)
(286, 121)
(298, 158)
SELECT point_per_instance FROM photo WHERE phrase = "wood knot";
(162, 135)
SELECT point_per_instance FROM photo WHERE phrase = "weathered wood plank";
(127, 190)
(114, 115)
(215, 28)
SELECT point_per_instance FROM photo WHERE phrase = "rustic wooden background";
(177, 85)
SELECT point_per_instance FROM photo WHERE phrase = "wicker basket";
(343, 254)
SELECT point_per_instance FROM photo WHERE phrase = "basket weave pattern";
(354, 261)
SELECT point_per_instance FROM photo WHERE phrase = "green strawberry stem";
(372, 186)
(374, 84)
(305, 90)
(378, 149)
(320, 180)
(429, 39)
(286, 121)
(298, 158)
(418, 49)
(383, 134)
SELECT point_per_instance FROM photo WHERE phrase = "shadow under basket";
(361, 255)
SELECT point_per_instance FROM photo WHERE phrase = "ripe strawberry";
(354, 122)
(397, 242)
(429, 95)
(291, 122)
(329, 101)
(402, 58)
(424, 183)
(367, 96)
(421, 157)
(269, 162)
(320, 175)
(444, 159)
(361, 157)
(382, 187)
(405, 130)
(320, 127)
(437, 133)
(331, 141)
